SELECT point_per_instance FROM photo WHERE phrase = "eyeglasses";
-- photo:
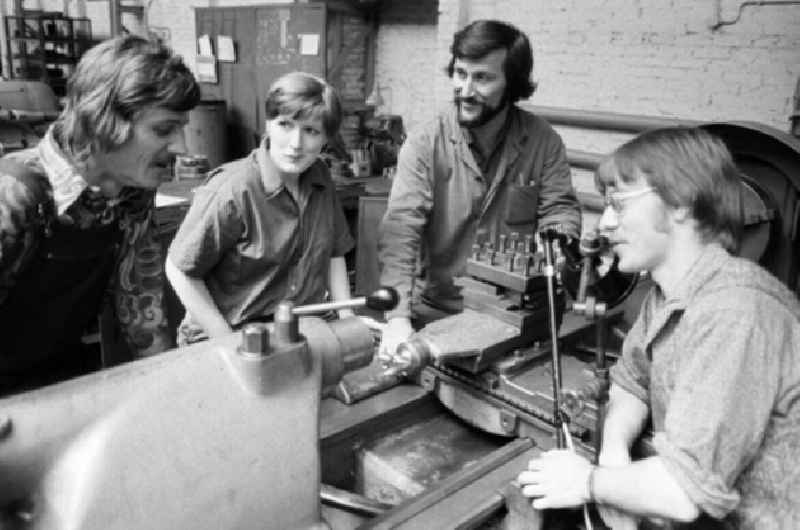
(617, 200)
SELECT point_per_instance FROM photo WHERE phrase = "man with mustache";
(76, 213)
(483, 164)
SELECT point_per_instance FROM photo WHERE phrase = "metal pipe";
(324, 307)
(610, 121)
(454, 483)
(352, 501)
(584, 159)
(718, 22)
(601, 372)
(549, 272)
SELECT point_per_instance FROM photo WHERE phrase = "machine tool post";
(530, 247)
(527, 264)
(286, 328)
(476, 252)
(550, 277)
(255, 340)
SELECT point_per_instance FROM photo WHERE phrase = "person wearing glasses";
(713, 358)
(483, 164)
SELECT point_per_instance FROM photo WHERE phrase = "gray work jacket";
(440, 198)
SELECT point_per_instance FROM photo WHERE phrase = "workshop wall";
(176, 20)
(650, 57)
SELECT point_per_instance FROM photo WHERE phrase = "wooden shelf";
(45, 46)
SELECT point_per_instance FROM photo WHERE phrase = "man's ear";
(681, 215)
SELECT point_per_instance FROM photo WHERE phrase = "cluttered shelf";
(45, 46)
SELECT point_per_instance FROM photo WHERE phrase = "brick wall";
(650, 57)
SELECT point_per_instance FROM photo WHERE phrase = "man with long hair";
(484, 164)
(76, 212)
(713, 358)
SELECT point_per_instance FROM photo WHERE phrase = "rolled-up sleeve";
(409, 206)
(720, 407)
(211, 227)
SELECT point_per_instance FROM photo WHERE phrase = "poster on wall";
(309, 43)
(226, 50)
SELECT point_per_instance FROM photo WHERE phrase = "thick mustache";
(469, 100)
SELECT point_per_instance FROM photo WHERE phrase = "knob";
(383, 299)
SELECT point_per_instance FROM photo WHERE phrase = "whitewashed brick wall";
(408, 90)
(178, 17)
(650, 57)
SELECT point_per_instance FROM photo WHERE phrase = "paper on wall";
(309, 43)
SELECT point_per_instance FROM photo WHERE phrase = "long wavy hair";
(113, 82)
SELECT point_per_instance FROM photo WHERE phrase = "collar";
(710, 260)
(67, 183)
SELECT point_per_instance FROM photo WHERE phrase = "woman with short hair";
(267, 227)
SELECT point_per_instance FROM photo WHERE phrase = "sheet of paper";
(204, 46)
(225, 49)
(206, 69)
(164, 199)
(309, 43)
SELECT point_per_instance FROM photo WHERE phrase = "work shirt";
(255, 248)
(718, 364)
(136, 286)
(440, 197)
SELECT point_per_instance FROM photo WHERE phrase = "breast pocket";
(522, 205)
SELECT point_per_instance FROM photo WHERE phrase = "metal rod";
(352, 501)
(610, 121)
(330, 306)
(601, 371)
(451, 485)
(549, 272)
